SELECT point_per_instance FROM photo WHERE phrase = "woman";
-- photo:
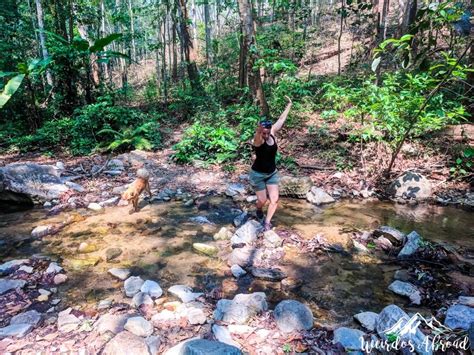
(263, 175)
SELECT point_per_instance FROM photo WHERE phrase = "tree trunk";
(384, 21)
(132, 30)
(208, 32)
(105, 72)
(163, 65)
(339, 38)
(376, 21)
(44, 50)
(248, 52)
(174, 72)
(188, 47)
(407, 15)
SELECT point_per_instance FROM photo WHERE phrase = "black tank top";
(265, 160)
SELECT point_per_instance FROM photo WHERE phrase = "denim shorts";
(259, 181)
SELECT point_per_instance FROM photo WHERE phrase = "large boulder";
(295, 186)
(459, 316)
(392, 320)
(247, 234)
(292, 315)
(411, 185)
(318, 196)
(209, 347)
(412, 244)
(30, 181)
(126, 343)
(241, 308)
(350, 339)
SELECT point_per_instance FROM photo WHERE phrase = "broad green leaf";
(376, 63)
(55, 36)
(11, 87)
(100, 44)
(7, 73)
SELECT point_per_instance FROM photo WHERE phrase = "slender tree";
(44, 50)
(248, 55)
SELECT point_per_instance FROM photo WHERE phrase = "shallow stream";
(156, 243)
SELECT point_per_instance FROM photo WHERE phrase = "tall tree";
(248, 56)
(44, 50)
(188, 46)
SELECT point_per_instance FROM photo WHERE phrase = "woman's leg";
(261, 200)
(273, 196)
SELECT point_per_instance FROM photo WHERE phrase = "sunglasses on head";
(266, 124)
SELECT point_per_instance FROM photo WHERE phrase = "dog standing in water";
(136, 188)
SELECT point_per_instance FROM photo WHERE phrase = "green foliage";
(464, 163)
(138, 138)
(286, 162)
(116, 127)
(208, 143)
(384, 111)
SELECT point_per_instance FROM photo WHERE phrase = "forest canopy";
(89, 76)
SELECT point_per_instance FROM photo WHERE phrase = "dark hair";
(265, 123)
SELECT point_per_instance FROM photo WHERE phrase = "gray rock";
(179, 348)
(196, 315)
(152, 288)
(153, 343)
(33, 180)
(139, 326)
(392, 234)
(295, 186)
(222, 334)
(402, 275)
(272, 239)
(41, 231)
(359, 247)
(126, 343)
(59, 279)
(7, 266)
(411, 185)
(104, 304)
(349, 338)
(411, 246)
(459, 316)
(141, 298)
(466, 301)
(121, 274)
(111, 323)
(383, 243)
(367, 319)
(112, 254)
(95, 206)
(110, 202)
(292, 315)
(67, 322)
(15, 330)
(237, 271)
(74, 186)
(200, 220)
(7, 285)
(390, 321)
(406, 289)
(235, 189)
(241, 219)
(241, 308)
(223, 234)
(115, 164)
(318, 196)
(184, 293)
(242, 256)
(133, 285)
(53, 268)
(247, 234)
(29, 317)
(27, 269)
(208, 347)
(268, 274)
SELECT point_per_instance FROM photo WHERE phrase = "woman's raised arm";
(278, 124)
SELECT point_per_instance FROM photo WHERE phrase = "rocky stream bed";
(193, 273)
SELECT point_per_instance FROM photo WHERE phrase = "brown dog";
(136, 188)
